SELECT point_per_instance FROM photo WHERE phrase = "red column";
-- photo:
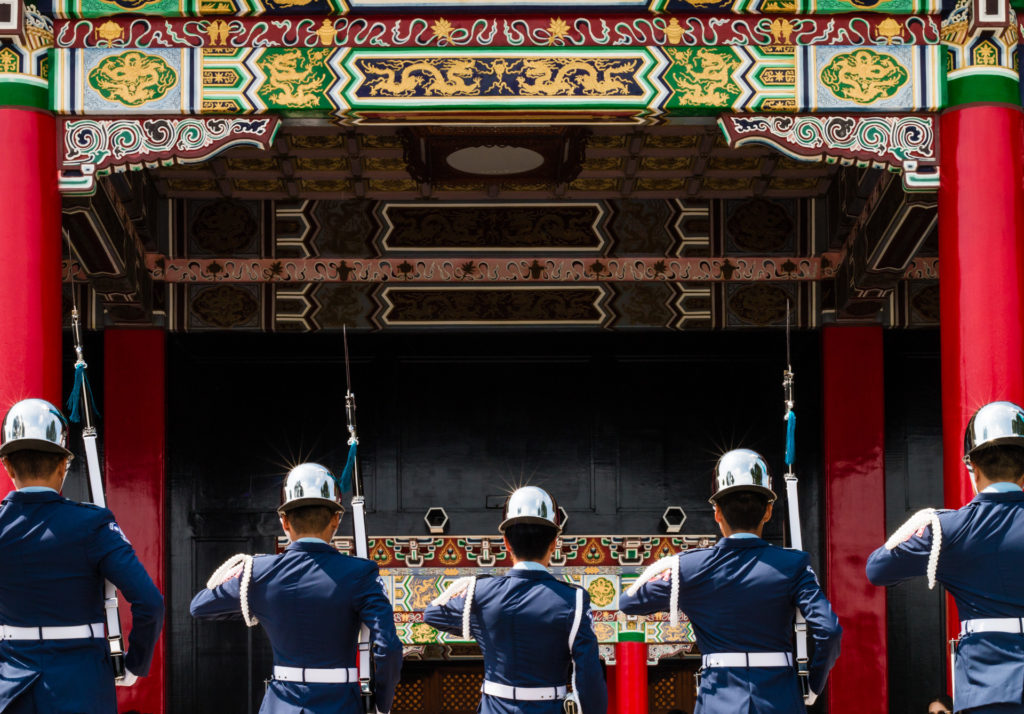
(854, 413)
(630, 674)
(610, 681)
(133, 437)
(30, 287)
(981, 279)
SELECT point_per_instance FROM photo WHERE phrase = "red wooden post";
(610, 681)
(981, 286)
(134, 445)
(30, 250)
(631, 674)
(854, 412)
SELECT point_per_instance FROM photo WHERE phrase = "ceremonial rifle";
(81, 406)
(792, 502)
(351, 474)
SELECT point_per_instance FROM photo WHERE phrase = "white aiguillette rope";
(222, 575)
(670, 563)
(465, 585)
(921, 519)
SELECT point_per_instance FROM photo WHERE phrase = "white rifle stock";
(793, 507)
(96, 495)
(358, 529)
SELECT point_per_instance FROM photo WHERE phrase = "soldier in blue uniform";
(311, 600)
(741, 597)
(54, 557)
(977, 553)
(535, 632)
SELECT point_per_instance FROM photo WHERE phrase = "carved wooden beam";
(92, 147)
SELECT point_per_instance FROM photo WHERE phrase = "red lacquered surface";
(133, 429)
(981, 279)
(630, 678)
(609, 678)
(30, 253)
(854, 443)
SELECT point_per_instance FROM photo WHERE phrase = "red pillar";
(610, 681)
(30, 251)
(854, 413)
(631, 674)
(981, 279)
(134, 442)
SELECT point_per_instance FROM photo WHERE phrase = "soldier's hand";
(810, 699)
(129, 679)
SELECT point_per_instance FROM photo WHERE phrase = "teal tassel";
(75, 400)
(74, 404)
(345, 482)
(790, 438)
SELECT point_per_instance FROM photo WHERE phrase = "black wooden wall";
(913, 464)
(617, 426)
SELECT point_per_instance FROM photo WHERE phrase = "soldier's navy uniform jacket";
(522, 622)
(982, 565)
(54, 556)
(741, 596)
(311, 600)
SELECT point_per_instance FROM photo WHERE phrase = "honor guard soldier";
(535, 632)
(742, 596)
(976, 552)
(311, 600)
(55, 555)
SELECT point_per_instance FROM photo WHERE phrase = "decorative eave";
(905, 143)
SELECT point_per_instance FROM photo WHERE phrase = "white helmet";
(34, 424)
(741, 470)
(530, 504)
(310, 485)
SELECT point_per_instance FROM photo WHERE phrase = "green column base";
(987, 88)
(632, 636)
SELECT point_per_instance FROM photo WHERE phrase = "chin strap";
(920, 520)
(229, 569)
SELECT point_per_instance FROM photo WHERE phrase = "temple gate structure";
(563, 238)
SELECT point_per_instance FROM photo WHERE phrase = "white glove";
(129, 679)
(810, 699)
(380, 712)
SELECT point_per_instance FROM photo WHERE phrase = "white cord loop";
(671, 563)
(222, 575)
(921, 519)
(463, 586)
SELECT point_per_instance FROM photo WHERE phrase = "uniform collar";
(529, 565)
(741, 536)
(754, 542)
(33, 496)
(37, 489)
(996, 497)
(1003, 487)
(530, 574)
(311, 546)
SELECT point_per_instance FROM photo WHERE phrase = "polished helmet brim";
(766, 492)
(311, 501)
(33, 445)
(534, 520)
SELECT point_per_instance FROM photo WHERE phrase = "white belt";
(338, 675)
(72, 632)
(524, 694)
(1012, 625)
(748, 659)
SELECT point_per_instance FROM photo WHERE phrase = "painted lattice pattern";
(460, 691)
(409, 696)
(663, 693)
